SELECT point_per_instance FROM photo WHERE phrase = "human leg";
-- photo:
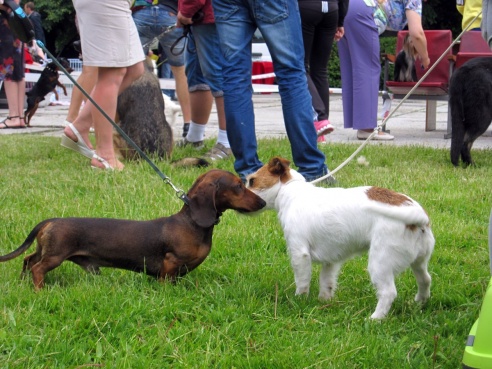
(201, 99)
(86, 80)
(12, 71)
(15, 92)
(105, 94)
(323, 41)
(284, 39)
(236, 31)
(201, 105)
(174, 54)
(210, 63)
(310, 17)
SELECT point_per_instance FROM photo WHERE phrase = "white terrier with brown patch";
(331, 225)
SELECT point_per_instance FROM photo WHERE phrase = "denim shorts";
(204, 60)
(152, 22)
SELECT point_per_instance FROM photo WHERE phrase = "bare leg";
(219, 103)
(110, 83)
(15, 93)
(201, 106)
(182, 92)
(86, 80)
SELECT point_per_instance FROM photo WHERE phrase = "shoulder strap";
(19, 24)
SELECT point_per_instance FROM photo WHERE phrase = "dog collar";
(51, 69)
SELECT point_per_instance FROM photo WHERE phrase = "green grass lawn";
(238, 309)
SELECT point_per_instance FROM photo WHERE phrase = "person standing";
(119, 64)
(322, 23)
(36, 21)
(12, 67)
(152, 18)
(280, 25)
(359, 52)
(205, 79)
(469, 9)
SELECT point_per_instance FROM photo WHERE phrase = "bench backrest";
(472, 45)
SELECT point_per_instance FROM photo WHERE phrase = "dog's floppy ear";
(202, 201)
(278, 166)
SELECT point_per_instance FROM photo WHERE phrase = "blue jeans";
(204, 60)
(280, 24)
(151, 22)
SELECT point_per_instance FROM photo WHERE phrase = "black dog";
(47, 82)
(470, 101)
(405, 62)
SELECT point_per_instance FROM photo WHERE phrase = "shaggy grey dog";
(140, 114)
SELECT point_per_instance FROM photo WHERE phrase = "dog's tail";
(457, 118)
(191, 162)
(27, 243)
(411, 214)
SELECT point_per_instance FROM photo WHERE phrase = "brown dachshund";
(166, 248)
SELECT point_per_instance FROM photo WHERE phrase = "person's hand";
(425, 62)
(339, 33)
(183, 21)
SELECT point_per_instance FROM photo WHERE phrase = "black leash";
(197, 17)
(179, 193)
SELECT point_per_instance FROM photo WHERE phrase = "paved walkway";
(407, 124)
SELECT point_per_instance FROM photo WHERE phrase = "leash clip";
(179, 192)
(182, 196)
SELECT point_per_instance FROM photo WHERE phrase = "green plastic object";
(478, 350)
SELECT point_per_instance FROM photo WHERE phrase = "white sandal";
(103, 162)
(80, 146)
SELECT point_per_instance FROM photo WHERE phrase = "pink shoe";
(323, 127)
(321, 139)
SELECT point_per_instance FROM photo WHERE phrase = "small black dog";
(47, 82)
(405, 62)
(470, 101)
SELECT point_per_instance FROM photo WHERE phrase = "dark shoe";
(186, 128)
(328, 181)
(218, 152)
(184, 142)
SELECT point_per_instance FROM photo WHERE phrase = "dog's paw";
(325, 295)
(422, 297)
(302, 291)
(378, 315)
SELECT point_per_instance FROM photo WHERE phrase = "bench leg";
(449, 126)
(430, 115)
